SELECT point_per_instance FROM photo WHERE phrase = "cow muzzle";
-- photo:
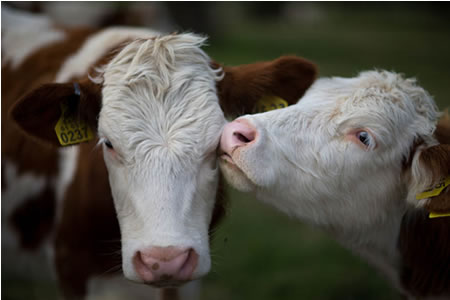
(165, 266)
(235, 135)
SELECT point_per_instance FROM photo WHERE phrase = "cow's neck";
(376, 243)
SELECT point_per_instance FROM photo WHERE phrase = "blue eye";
(364, 137)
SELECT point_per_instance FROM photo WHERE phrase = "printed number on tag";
(71, 131)
(435, 190)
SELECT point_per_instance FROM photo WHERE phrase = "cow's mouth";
(234, 174)
(226, 161)
(226, 157)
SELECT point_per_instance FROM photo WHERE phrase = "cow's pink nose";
(236, 134)
(165, 265)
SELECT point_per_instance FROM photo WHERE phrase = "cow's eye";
(108, 144)
(365, 138)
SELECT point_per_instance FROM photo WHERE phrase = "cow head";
(157, 107)
(339, 157)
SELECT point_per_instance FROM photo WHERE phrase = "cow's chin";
(234, 175)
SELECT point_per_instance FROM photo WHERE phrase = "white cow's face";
(160, 125)
(335, 157)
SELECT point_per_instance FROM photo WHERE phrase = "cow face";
(159, 127)
(339, 156)
(158, 109)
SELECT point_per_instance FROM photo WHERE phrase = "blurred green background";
(257, 252)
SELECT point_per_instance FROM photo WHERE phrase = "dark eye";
(108, 144)
(364, 138)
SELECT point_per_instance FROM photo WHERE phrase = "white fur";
(68, 160)
(161, 113)
(305, 163)
(23, 34)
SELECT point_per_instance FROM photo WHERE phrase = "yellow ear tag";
(71, 131)
(435, 190)
(268, 103)
(438, 215)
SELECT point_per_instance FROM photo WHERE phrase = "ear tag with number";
(71, 131)
(435, 190)
(268, 103)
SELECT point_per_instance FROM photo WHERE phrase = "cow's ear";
(287, 77)
(442, 132)
(430, 179)
(39, 111)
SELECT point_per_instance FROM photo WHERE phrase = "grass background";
(257, 252)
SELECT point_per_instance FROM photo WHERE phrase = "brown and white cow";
(350, 158)
(143, 194)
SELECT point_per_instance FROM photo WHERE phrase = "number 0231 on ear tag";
(268, 103)
(71, 131)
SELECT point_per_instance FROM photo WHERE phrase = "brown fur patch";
(287, 77)
(437, 160)
(424, 246)
(33, 220)
(442, 132)
(440, 157)
(441, 203)
(87, 241)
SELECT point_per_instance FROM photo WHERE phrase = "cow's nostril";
(155, 266)
(161, 264)
(237, 134)
(241, 137)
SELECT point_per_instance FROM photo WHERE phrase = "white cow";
(350, 157)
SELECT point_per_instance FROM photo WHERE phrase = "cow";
(109, 140)
(354, 157)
